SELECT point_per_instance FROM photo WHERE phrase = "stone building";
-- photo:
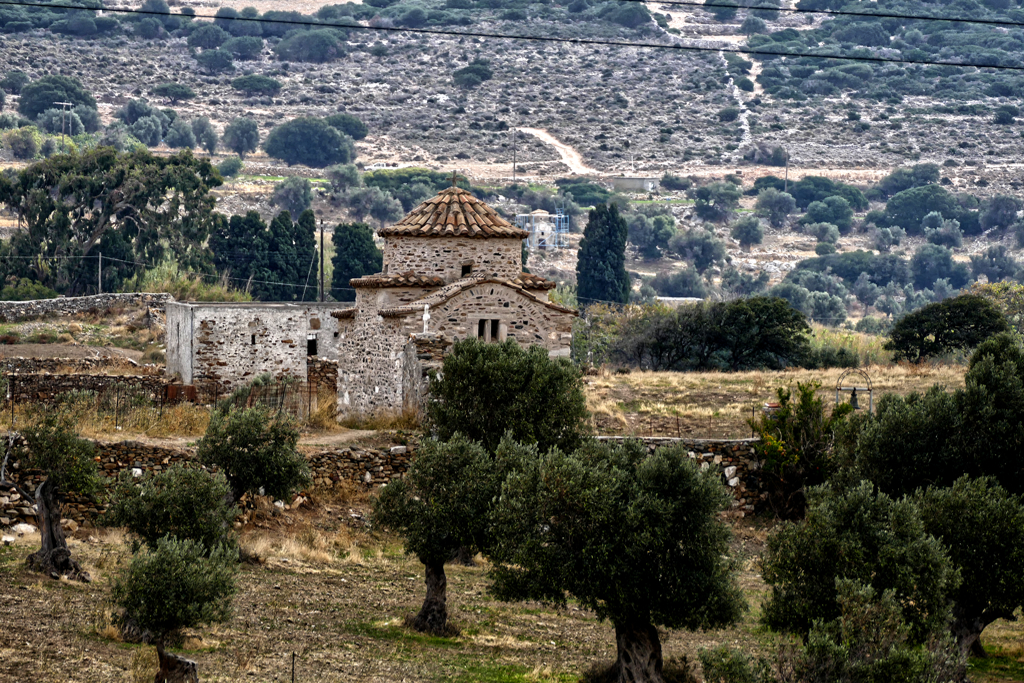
(452, 270)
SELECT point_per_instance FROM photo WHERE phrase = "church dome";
(453, 212)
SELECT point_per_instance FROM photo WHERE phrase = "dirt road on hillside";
(570, 157)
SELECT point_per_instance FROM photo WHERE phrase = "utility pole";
(321, 260)
(99, 274)
(63, 112)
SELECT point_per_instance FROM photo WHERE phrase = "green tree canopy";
(960, 323)
(294, 194)
(601, 267)
(747, 231)
(715, 201)
(75, 205)
(317, 46)
(40, 95)
(982, 526)
(256, 452)
(442, 505)
(184, 502)
(309, 141)
(878, 542)
(488, 390)
(175, 92)
(349, 125)
(775, 206)
(635, 537)
(178, 585)
(255, 84)
(241, 136)
(355, 255)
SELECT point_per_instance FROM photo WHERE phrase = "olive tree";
(441, 507)
(982, 525)
(485, 390)
(67, 460)
(636, 538)
(241, 136)
(179, 584)
(861, 535)
(255, 449)
(184, 502)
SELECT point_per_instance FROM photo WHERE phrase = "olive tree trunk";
(174, 669)
(433, 616)
(53, 557)
(639, 649)
(967, 631)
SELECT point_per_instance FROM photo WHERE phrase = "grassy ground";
(718, 404)
(335, 596)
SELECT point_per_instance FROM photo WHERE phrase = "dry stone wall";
(735, 459)
(11, 311)
(44, 387)
(79, 366)
(445, 256)
(367, 468)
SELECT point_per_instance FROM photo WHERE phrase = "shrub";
(747, 231)
(349, 125)
(245, 48)
(216, 60)
(908, 208)
(995, 264)
(23, 142)
(959, 323)
(14, 81)
(56, 122)
(673, 182)
(835, 210)
(478, 71)
(187, 503)
(254, 84)
(728, 114)
(683, 283)
(24, 289)
(293, 194)
(309, 141)
(207, 37)
(256, 452)
(180, 134)
(486, 390)
(38, 96)
(317, 46)
(775, 206)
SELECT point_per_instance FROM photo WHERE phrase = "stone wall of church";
(445, 256)
(519, 317)
(370, 366)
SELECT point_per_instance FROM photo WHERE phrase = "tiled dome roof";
(453, 212)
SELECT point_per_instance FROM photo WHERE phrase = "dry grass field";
(718, 404)
(335, 595)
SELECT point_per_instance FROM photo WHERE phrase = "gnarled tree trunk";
(433, 616)
(53, 557)
(639, 650)
(967, 631)
(174, 669)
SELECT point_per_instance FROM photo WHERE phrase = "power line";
(842, 13)
(557, 39)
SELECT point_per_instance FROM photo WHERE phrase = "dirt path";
(570, 157)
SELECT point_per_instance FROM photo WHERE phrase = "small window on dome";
(467, 270)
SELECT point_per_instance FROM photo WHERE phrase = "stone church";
(452, 270)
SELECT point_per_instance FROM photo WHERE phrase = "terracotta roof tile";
(407, 279)
(453, 212)
(531, 281)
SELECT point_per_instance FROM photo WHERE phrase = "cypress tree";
(355, 255)
(601, 269)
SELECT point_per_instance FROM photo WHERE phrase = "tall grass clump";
(184, 286)
(835, 343)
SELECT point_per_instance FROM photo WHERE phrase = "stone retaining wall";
(735, 459)
(11, 311)
(368, 468)
(44, 387)
(78, 366)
